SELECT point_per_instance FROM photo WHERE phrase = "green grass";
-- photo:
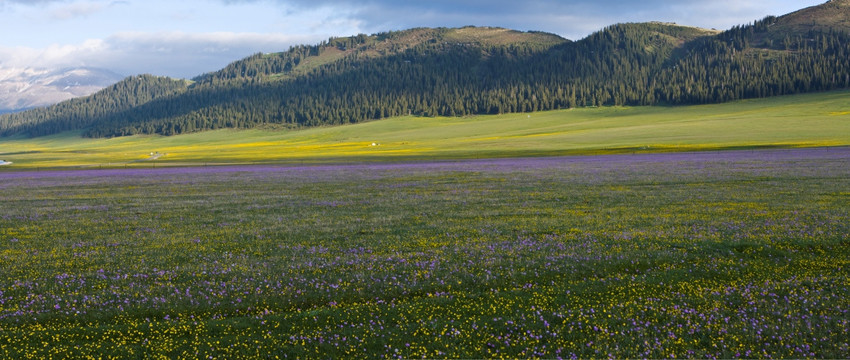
(700, 255)
(792, 121)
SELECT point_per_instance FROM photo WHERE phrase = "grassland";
(737, 254)
(644, 252)
(794, 121)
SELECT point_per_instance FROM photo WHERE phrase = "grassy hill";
(833, 15)
(790, 121)
(426, 75)
(461, 72)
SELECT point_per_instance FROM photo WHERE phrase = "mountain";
(800, 52)
(81, 113)
(472, 70)
(834, 15)
(27, 88)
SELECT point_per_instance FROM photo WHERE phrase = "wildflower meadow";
(734, 254)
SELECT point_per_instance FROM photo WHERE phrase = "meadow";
(733, 254)
(812, 120)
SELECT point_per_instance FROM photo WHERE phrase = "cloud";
(75, 10)
(175, 54)
(4, 4)
(57, 10)
(53, 56)
(29, 2)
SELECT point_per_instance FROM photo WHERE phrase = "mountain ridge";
(26, 88)
(476, 70)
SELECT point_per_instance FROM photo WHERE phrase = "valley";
(812, 120)
(650, 191)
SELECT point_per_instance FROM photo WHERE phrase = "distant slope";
(456, 72)
(104, 105)
(834, 15)
(423, 72)
(801, 52)
(22, 89)
(786, 121)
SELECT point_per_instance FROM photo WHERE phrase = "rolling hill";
(834, 15)
(471, 70)
(807, 120)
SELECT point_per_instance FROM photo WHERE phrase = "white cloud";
(52, 56)
(75, 10)
(28, 2)
(173, 54)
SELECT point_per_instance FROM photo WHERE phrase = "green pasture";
(810, 120)
(725, 255)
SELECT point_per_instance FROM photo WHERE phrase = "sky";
(186, 38)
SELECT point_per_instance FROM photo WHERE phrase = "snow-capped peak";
(23, 88)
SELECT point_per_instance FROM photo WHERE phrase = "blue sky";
(190, 37)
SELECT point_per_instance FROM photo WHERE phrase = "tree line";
(626, 64)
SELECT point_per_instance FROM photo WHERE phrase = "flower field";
(736, 254)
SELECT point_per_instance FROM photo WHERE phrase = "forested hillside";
(85, 112)
(455, 72)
